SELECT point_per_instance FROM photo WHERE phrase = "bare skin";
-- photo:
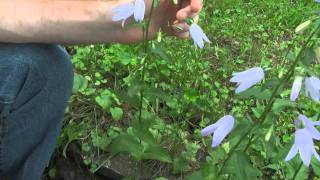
(85, 21)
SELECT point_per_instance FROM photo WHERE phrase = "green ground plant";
(151, 104)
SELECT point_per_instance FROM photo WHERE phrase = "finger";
(196, 5)
(183, 13)
(189, 10)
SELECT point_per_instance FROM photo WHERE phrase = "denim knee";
(36, 82)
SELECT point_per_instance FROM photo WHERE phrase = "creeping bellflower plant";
(248, 78)
(296, 87)
(312, 85)
(220, 129)
(197, 35)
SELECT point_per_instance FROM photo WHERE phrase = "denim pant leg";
(35, 84)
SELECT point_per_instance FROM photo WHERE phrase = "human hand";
(170, 17)
(166, 16)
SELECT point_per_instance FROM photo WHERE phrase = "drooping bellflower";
(303, 140)
(303, 143)
(312, 85)
(123, 12)
(296, 87)
(220, 129)
(197, 35)
(248, 78)
(139, 10)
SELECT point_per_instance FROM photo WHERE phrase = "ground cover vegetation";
(140, 109)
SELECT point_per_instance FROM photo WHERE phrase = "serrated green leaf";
(161, 178)
(180, 165)
(157, 153)
(280, 104)
(100, 140)
(128, 144)
(294, 169)
(195, 176)
(79, 83)
(308, 56)
(104, 101)
(315, 166)
(240, 167)
(255, 92)
(116, 113)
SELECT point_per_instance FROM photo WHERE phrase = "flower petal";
(249, 73)
(122, 12)
(296, 87)
(292, 153)
(305, 155)
(219, 134)
(244, 86)
(310, 126)
(248, 78)
(208, 130)
(312, 85)
(139, 10)
(304, 142)
(225, 125)
(197, 35)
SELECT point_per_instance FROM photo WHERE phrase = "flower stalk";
(271, 101)
(145, 30)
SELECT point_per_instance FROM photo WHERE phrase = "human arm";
(76, 21)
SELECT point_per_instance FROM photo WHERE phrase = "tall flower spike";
(198, 36)
(220, 129)
(123, 12)
(296, 87)
(247, 79)
(139, 10)
(312, 85)
(303, 144)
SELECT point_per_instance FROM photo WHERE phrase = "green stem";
(249, 143)
(287, 77)
(145, 51)
(234, 148)
(270, 103)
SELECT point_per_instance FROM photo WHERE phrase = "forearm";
(63, 22)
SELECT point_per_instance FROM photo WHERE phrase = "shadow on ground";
(72, 168)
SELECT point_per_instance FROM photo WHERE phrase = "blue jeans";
(35, 84)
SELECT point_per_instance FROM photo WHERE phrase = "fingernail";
(179, 28)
